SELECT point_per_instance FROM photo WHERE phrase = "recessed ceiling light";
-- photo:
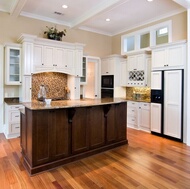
(65, 6)
(149, 0)
(107, 19)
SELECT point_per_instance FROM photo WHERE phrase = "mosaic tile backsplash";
(55, 84)
(138, 93)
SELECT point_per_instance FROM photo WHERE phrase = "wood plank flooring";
(148, 161)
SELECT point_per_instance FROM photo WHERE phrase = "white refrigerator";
(167, 116)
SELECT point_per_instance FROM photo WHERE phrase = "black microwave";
(107, 81)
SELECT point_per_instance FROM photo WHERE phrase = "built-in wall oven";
(107, 86)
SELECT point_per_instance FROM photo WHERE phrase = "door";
(92, 88)
(173, 103)
(155, 118)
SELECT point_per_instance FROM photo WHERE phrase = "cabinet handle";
(132, 110)
(65, 65)
(16, 116)
(42, 64)
(17, 127)
(17, 107)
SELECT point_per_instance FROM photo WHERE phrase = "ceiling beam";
(17, 7)
(101, 7)
(183, 3)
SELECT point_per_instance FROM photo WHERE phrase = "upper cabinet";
(172, 55)
(138, 69)
(12, 64)
(111, 65)
(45, 55)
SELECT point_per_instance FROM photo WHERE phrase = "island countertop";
(37, 105)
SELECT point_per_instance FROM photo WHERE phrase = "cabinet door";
(140, 62)
(50, 135)
(120, 121)
(107, 67)
(131, 63)
(159, 59)
(69, 61)
(176, 56)
(13, 65)
(156, 80)
(144, 116)
(124, 73)
(78, 63)
(38, 55)
(59, 60)
(80, 131)
(155, 120)
(173, 103)
(96, 126)
(60, 133)
(111, 129)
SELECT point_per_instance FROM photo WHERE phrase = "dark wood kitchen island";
(68, 130)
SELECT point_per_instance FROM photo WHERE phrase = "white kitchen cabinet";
(132, 114)
(173, 103)
(138, 69)
(111, 65)
(136, 62)
(78, 66)
(144, 116)
(12, 120)
(156, 80)
(124, 73)
(169, 56)
(108, 66)
(156, 117)
(25, 90)
(12, 64)
(138, 115)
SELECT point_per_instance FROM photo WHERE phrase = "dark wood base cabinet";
(53, 137)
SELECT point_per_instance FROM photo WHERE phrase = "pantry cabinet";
(12, 120)
(138, 115)
(169, 56)
(12, 64)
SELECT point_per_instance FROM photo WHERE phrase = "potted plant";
(53, 33)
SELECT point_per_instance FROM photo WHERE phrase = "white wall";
(187, 112)
(1, 88)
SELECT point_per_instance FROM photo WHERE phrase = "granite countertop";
(37, 105)
(12, 101)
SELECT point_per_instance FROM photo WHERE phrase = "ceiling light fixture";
(149, 0)
(65, 6)
(107, 19)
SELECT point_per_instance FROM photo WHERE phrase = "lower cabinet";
(12, 121)
(53, 137)
(138, 115)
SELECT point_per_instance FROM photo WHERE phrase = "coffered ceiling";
(91, 15)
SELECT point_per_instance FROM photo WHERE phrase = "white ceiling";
(90, 15)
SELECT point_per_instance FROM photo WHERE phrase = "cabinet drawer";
(15, 128)
(132, 111)
(15, 107)
(14, 116)
(131, 120)
(132, 104)
(145, 106)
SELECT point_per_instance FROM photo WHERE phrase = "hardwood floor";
(148, 161)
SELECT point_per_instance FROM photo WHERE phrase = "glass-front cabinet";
(84, 64)
(12, 65)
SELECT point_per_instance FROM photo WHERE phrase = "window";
(147, 37)
(162, 35)
(144, 40)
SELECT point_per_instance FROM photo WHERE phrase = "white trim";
(1, 89)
